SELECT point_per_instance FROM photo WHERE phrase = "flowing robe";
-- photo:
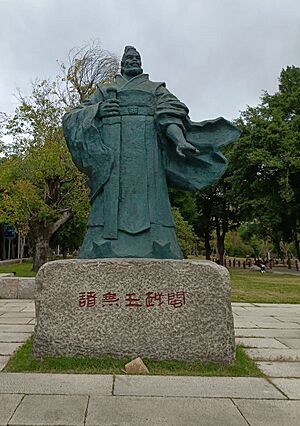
(130, 163)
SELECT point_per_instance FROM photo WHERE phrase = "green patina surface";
(133, 138)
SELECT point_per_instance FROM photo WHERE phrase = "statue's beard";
(132, 71)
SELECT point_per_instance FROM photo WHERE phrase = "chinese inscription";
(150, 299)
(87, 299)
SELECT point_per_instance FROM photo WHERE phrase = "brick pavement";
(271, 334)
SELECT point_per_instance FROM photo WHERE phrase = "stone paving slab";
(269, 324)
(269, 413)
(209, 387)
(280, 369)
(278, 308)
(63, 384)
(15, 320)
(8, 404)
(243, 304)
(22, 314)
(3, 362)
(29, 310)
(8, 348)
(266, 313)
(290, 387)
(265, 332)
(277, 305)
(16, 328)
(291, 343)
(13, 337)
(45, 410)
(274, 354)
(243, 323)
(257, 342)
(8, 308)
(136, 411)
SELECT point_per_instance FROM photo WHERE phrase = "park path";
(271, 334)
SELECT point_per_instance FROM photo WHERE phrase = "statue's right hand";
(109, 108)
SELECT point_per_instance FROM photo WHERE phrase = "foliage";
(23, 361)
(234, 246)
(70, 236)
(185, 201)
(41, 187)
(218, 212)
(266, 161)
(185, 233)
(87, 65)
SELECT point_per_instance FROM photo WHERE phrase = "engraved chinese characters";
(133, 300)
(161, 309)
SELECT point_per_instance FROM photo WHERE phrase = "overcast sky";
(215, 55)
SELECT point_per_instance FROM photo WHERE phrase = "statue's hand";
(186, 149)
(109, 108)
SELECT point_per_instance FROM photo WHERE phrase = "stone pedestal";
(160, 309)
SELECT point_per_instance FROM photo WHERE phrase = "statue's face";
(132, 64)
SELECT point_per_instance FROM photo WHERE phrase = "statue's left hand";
(186, 149)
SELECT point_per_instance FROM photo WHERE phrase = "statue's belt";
(136, 110)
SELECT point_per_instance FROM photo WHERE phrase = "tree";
(218, 212)
(43, 188)
(87, 65)
(266, 161)
(70, 236)
(185, 233)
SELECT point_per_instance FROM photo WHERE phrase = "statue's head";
(131, 63)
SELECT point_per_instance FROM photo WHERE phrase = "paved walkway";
(270, 332)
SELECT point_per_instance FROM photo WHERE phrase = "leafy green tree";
(70, 236)
(185, 201)
(43, 189)
(266, 162)
(218, 212)
(185, 233)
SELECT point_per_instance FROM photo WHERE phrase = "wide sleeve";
(83, 133)
(207, 167)
(169, 109)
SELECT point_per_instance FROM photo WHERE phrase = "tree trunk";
(221, 250)
(207, 244)
(40, 239)
(64, 252)
(22, 246)
(2, 243)
(220, 241)
(41, 235)
(297, 245)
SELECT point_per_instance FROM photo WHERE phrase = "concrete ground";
(271, 334)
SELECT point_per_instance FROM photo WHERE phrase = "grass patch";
(20, 269)
(23, 361)
(255, 287)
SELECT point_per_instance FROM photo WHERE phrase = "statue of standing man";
(132, 139)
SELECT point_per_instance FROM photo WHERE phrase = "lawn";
(20, 269)
(23, 361)
(264, 288)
